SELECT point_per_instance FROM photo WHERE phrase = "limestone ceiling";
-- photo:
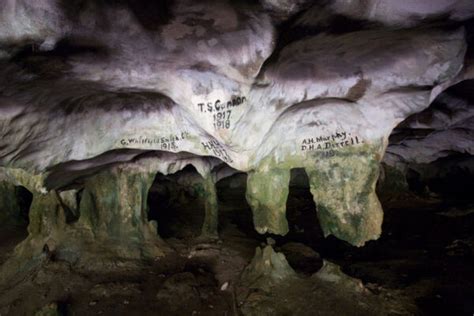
(244, 82)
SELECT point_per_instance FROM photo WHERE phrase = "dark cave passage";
(451, 177)
(234, 211)
(175, 205)
(15, 206)
(24, 199)
(14, 228)
(301, 210)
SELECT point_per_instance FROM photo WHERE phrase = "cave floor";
(422, 264)
(426, 251)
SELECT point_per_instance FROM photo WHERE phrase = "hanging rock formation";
(98, 98)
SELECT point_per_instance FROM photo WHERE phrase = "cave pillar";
(343, 188)
(211, 217)
(46, 228)
(45, 233)
(267, 192)
(114, 205)
(46, 215)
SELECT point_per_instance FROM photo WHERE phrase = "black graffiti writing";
(222, 119)
(216, 148)
(328, 143)
(165, 142)
(219, 105)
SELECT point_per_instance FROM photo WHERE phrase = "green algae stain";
(342, 185)
(267, 191)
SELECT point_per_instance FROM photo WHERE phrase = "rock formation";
(98, 98)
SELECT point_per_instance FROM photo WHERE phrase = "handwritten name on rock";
(328, 143)
(221, 110)
(217, 149)
(218, 105)
(164, 142)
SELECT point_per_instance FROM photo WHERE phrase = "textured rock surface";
(267, 269)
(435, 147)
(101, 97)
(445, 128)
(302, 258)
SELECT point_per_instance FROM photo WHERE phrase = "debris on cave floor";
(200, 279)
(420, 266)
(274, 288)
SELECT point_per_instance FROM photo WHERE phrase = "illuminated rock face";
(210, 84)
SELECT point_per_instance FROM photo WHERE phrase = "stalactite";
(343, 188)
(267, 192)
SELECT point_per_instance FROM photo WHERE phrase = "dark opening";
(301, 210)
(234, 212)
(415, 183)
(71, 205)
(24, 198)
(452, 177)
(14, 227)
(174, 204)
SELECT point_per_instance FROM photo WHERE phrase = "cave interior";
(249, 157)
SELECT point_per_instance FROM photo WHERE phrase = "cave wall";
(433, 149)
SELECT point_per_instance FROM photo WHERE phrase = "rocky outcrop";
(267, 269)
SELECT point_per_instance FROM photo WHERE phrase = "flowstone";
(114, 214)
(46, 229)
(112, 229)
(47, 220)
(114, 205)
(267, 191)
(343, 188)
(342, 183)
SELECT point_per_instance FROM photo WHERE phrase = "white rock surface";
(395, 13)
(190, 86)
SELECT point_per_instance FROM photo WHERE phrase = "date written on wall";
(327, 144)
(221, 111)
(217, 149)
(165, 143)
